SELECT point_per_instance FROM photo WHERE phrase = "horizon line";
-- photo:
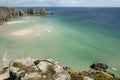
(69, 6)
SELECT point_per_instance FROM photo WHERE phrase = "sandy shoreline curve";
(14, 22)
(18, 22)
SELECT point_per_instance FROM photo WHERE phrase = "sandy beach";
(14, 22)
(22, 32)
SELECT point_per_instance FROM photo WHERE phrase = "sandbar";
(22, 32)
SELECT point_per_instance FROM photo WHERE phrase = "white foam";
(15, 22)
(51, 28)
(18, 22)
(5, 59)
(114, 69)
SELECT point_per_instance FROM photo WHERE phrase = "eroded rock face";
(8, 13)
(35, 69)
(33, 11)
(48, 69)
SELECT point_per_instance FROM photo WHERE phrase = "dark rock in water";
(100, 69)
(34, 69)
(99, 66)
(50, 13)
(33, 11)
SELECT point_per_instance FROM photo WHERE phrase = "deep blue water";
(107, 19)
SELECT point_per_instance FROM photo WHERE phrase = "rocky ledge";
(49, 69)
(7, 13)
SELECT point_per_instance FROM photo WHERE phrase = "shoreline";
(14, 22)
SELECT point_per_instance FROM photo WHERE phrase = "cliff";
(36, 12)
(7, 13)
(49, 69)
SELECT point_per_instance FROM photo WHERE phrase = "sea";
(73, 36)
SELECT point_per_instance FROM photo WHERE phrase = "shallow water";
(71, 41)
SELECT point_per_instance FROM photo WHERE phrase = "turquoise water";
(72, 43)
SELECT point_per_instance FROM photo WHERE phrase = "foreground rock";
(98, 71)
(34, 69)
(4, 73)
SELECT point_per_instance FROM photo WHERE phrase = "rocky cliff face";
(8, 13)
(33, 11)
(48, 69)
(35, 69)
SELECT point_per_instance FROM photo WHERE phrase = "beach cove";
(69, 39)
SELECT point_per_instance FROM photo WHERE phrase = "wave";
(18, 22)
(15, 22)
(114, 69)
(48, 30)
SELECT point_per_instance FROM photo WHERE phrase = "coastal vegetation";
(49, 69)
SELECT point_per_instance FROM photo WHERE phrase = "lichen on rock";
(35, 69)
(49, 69)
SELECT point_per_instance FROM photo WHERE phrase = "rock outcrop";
(35, 69)
(48, 69)
(99, 67)
(8, 13)
(98, 71)
(33, 11)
